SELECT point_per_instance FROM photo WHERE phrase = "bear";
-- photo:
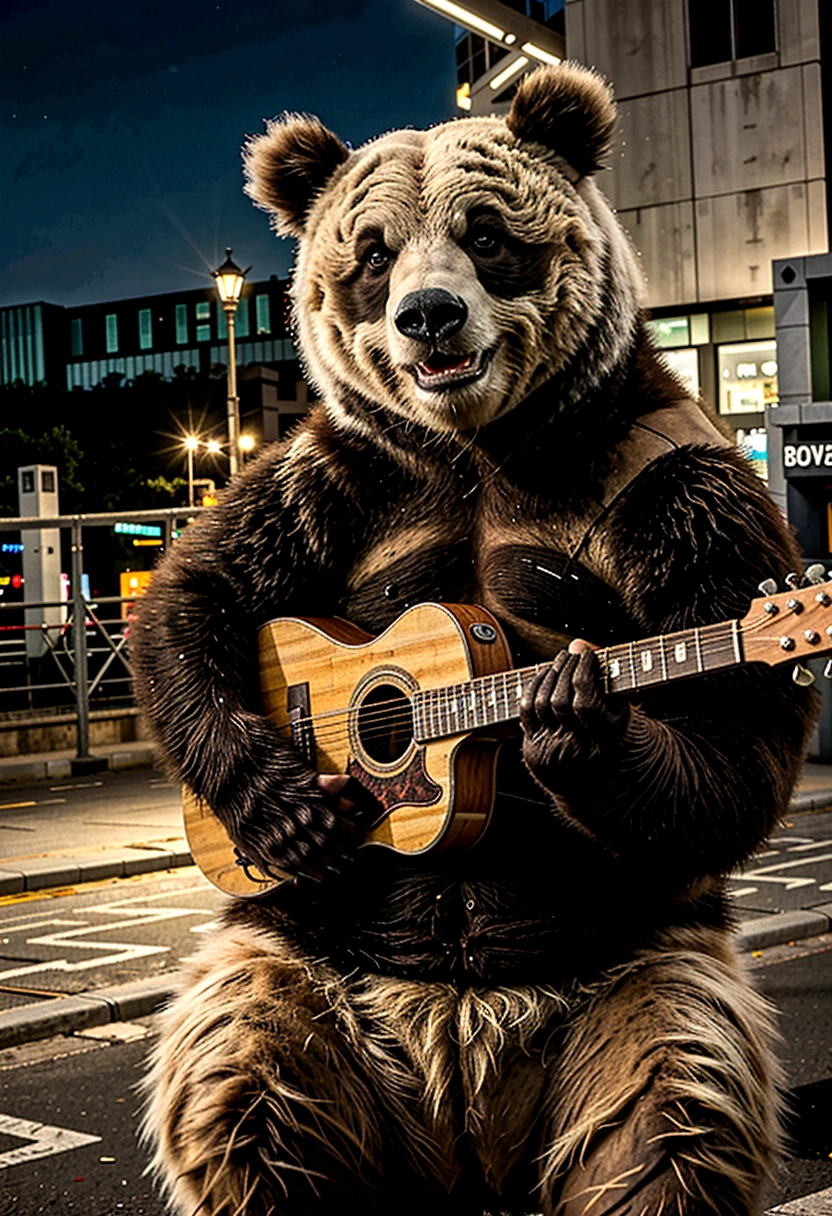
(552, 1019)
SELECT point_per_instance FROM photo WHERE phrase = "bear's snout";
(430, 315)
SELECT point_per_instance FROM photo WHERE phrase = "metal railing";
(82, 665)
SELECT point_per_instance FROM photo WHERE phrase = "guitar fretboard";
(495, 699)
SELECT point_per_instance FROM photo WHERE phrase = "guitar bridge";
(300, 720)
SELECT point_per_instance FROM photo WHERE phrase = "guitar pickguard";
(411, 787)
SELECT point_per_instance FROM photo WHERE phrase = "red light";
(17, 580)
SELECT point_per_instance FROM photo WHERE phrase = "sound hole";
(385, 723)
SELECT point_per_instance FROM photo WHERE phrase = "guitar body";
(342, 696)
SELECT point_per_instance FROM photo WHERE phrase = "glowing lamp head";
(230, 279)
(191, 442)
(246, 443)
(214, 446)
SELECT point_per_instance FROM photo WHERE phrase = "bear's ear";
(569, 109)
(289, 165)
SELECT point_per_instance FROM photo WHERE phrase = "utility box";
(37, 487)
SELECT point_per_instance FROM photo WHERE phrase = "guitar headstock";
(789, 625)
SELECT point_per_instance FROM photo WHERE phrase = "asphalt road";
(101, 934)
(69, 1106)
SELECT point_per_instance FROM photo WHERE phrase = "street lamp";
(229, 279)
(191, 444)
(246, 445)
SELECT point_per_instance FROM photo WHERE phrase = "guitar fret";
(494, 698)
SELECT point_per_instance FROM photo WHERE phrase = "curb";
(782, 927)
(819, 1204)
(40, 873)
(65, 1015)
(14, 771)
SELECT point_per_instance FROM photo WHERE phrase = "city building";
(718, 166)
(77, 347)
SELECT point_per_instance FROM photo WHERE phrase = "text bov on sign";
(807, 458)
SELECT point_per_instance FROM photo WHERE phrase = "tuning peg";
(767, 587)
(827, 671)
(793, 580)
(803, 676)
(816, 573)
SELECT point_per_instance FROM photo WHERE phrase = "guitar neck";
(495, 699)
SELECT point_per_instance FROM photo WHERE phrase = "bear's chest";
(517, 566)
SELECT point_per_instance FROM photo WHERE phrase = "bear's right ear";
(288, 166)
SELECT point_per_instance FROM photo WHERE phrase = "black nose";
(430, 315)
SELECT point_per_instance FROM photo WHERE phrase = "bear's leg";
(259, 1103)
(662, 1100)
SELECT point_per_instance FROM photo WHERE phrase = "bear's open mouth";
(441, 371)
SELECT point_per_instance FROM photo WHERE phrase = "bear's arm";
(706, 765)
(273, 547)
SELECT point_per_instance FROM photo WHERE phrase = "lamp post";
(191, 444)
(229, 279)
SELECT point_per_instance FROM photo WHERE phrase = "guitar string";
(381, 716)
(381, 711)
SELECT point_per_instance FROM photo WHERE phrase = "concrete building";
(719, 164)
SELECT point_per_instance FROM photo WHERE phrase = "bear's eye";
(377, 258)
(485, 241)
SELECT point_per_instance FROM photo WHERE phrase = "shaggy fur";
(552, 1020)
(282, 1085)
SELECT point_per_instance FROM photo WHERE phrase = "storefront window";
(670, 331)
(747, 377)
(685, 365)
(753, 443)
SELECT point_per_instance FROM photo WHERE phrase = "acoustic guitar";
(418, 713)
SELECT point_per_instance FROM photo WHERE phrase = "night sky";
(121, 123)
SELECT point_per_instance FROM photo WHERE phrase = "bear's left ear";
(288, 166)
(569, 109)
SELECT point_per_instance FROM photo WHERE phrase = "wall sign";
(808, 458)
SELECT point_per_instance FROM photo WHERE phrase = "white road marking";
(765, 873)
(69, 936)
(743, 891)
(45, 1140)
(815, 844)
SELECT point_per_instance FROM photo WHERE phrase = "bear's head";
(443, 275)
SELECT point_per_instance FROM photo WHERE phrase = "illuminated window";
(181, 324)
(76, 338)
(145, 329)
(685, 365)
(112, 333)
(747, 377)
(264, 316)
(203, 314)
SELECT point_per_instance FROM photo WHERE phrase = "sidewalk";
(60, 856)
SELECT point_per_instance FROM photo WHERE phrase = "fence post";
(79, 645)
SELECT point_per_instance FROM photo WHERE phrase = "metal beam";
(509, 28)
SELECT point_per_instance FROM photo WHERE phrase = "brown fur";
(281, 1085)
(569, 110)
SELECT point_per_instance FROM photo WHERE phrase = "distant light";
(465, 17)
(537, 53)
(746, 371)
(191, 442)
(463, 96)
(214, 446)
(510, 39)
(513, 68)
(769, 368)
(246, 443)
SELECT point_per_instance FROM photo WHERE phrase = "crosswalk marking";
(44, 1140)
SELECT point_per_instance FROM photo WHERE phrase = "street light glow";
(214, 446)
(465, 17)
(537, 52)
(513, 68)
(230, 279)
(246, 443)
(191, 442)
